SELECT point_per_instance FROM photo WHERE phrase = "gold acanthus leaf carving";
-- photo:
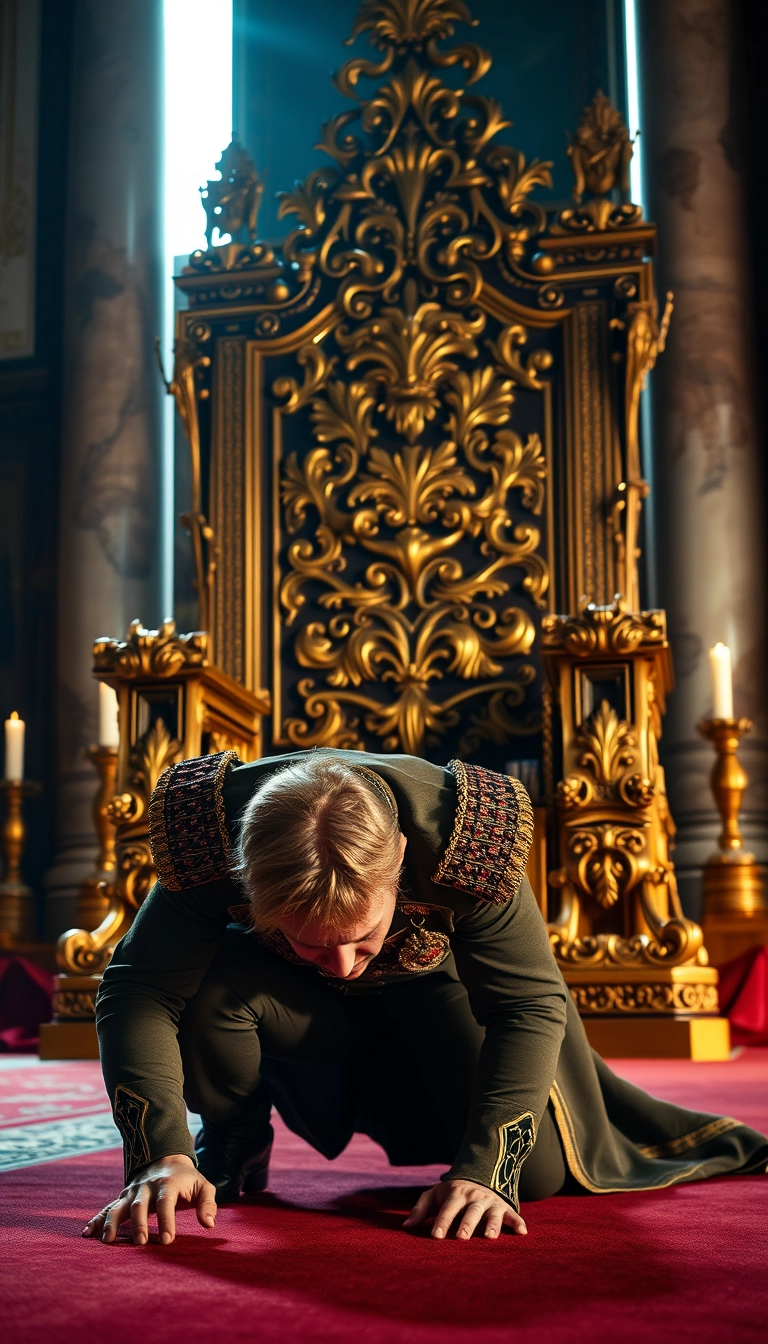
(422, 180)
(151, 755)
(417, 613)
(606, 858)
(411, 354)
(402, 547)
(606, 750)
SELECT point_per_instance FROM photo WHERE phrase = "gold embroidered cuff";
(516, 1140)
(130, 1112)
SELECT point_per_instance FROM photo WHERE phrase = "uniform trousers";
(396, 1061)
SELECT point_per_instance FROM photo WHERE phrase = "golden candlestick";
(17, 911)
(92, 902)
(734, 900)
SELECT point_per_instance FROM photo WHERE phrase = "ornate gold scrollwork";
(156, 653)
(78, 950)
(416, 359)
(650, 997)
(606, 752)
(417, 614)
(614, 628)
(615, 826)
(646, 337)
(188, 362)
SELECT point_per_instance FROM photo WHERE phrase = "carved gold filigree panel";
(422, 429)
(403, 542)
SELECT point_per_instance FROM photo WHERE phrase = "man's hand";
(474, 1205)
(162, 1187)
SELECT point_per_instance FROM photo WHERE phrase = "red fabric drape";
(744, 996)
(26, 999)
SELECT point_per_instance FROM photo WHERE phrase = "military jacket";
(462, 891)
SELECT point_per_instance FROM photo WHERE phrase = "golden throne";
(418, 423)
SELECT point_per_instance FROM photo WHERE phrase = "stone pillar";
(709, 501)
(112, 396)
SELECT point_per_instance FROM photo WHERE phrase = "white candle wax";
(14, 747)
(722, 688)
(109, 731)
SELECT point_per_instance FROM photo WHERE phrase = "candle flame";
(14, 715)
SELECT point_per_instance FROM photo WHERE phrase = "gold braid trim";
(671, 1147)
(491, 837)
(227, 758)
(521, 846)
(188, 832)
(578, 1170)
(130, 1114)
(157, 838)
(516, 1140)
(380, 787)
(459, 771)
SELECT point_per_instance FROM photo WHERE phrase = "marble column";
(112, 417)
(709, 501)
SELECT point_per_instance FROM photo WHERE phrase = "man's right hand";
(162, 1187)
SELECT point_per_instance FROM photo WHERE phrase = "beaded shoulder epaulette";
(187, 828)
(492, 835)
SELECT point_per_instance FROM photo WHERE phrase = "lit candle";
(109, 731)
(722, 688)
(14, 747)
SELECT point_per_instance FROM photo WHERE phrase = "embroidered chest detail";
(492, 835)
(407, 952)
(516, 1139)
(187, 827)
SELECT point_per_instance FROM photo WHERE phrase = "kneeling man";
(390, 974)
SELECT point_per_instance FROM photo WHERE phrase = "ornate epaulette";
(187, 827)
(492, 835)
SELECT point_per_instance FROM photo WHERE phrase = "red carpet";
(322, 1257)
(53, 1092)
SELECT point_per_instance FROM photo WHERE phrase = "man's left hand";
(472, 1207)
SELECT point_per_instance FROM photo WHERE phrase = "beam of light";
(637, 193)
(198, 126)
(633, 100)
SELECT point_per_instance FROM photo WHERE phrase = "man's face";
(345, 955)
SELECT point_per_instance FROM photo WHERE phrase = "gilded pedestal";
(636, 967)
(173, 705)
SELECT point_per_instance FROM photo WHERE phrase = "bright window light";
(198, 126)
(198, 111)
(633, 101)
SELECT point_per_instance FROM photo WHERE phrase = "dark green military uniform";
(459, 1042)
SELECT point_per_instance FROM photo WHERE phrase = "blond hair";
(318, 841)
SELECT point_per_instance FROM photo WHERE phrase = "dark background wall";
(549, 60)
(29, 455)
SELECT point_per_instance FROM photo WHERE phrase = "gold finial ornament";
(601, 150)
(600, 155)
(150, 653)
(232, 201)
(735, 911)
(17, 911)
